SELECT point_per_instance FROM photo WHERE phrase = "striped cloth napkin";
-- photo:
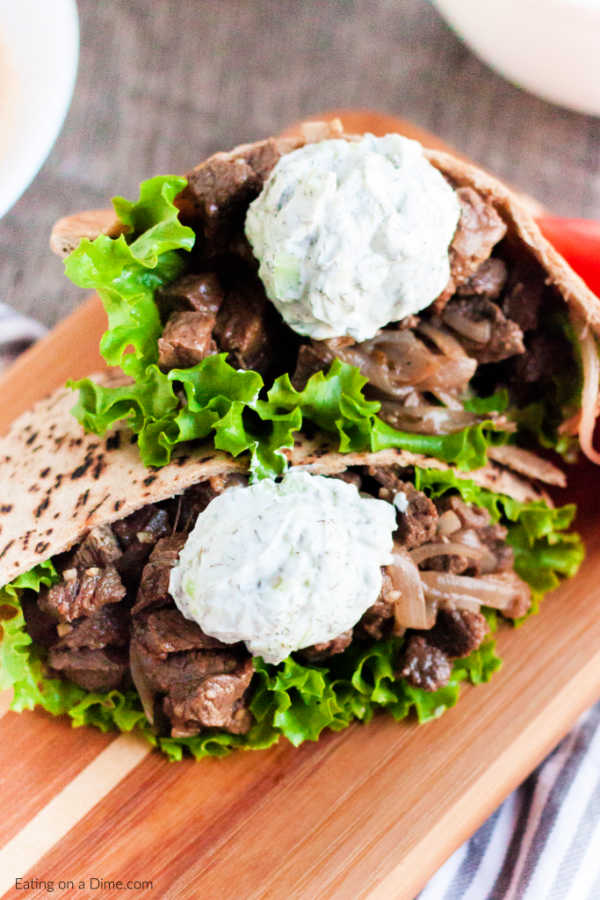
(543, 842)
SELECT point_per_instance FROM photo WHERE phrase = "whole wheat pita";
(58, 482)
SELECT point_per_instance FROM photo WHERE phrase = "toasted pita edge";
(516, 212)
(59, 482)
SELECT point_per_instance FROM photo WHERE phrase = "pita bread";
(58, 482)
(68, 231)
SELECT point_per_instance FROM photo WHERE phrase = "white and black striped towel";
(543, 843)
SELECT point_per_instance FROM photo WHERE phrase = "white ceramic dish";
(549, 47)
(39, 49)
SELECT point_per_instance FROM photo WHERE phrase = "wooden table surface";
(161, 85)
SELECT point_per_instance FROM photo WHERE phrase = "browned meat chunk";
(218, 192)
(186, 339)
(81, 593)
(479, 230)
(418, 523)
(522, 301)
(378, 620)
(262, 158)
(215, 702)
(185, 509)
(320, 652)
(41, 627)
(483, 330)
(425, 666)
(487, 281)
(137, 535)
(242, 328)
(100, 548)
(154, 584)
(543, 358)
(109, 627)
(197, 292)
(457, 632)
(350, 477)
(93, 670)
(202, 688)
(165, 631)
(313, 357)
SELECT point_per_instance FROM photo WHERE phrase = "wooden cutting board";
(371, 811)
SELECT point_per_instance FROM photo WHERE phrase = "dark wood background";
(161, 84)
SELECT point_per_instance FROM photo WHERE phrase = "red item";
(578, 240)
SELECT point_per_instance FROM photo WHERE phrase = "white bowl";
(39, 49)
(549, 47)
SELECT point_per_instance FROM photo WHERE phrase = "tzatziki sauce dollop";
(282, 566)
(352, 235)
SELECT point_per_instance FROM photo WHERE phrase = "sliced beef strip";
(425, 666)
(109, 627)
(99, 548)
(198, 292)
(186, 339)
(487, 281)
(137, 534)
(316, 356)
(479, 229)
(154, 583)
(418, 523)
(81, 593)
(182, 668)
(320, 652)
(505, 337)
(93, 670)
(457, 632)
(165, 631)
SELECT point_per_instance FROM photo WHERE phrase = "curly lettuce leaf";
(545, 553)
(126, 271)
(229, 405)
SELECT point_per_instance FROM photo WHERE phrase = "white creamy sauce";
(284, 565)
(401, 501)
(353, 235)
